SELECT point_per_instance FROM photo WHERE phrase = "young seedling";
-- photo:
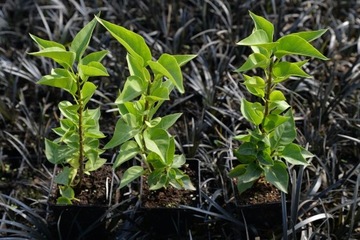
(267, 147)
(77, 147)
(139, 131)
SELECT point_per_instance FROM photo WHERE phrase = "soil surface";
(93, 189)
(171, 197)
(261, 192)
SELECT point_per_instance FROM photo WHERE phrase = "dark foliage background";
(327, 106)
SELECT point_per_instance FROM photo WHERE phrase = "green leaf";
(277, 175)
(133, 42)
(137, 69)
(258, 38)
(69, 111)
(274, 120)
(67, 192)
(130, 175)
(292, 153)
(179, 161)
(168, 120)
(60, 78)
(46, 43)
(159, 94)
(284, 70)
(94, 164)
(87, 91)
(310, 35)
(94, 57)
(305, 153)
(157, 140)
(255, 60)
(238, 170)
(252, 173)
(92, 69)
(295, 45)
(183, 59)
(59, 55)
(54, 152)
(276, 95)
(133, 87)
(63, 177)
(285, 133)
(82, 39)
(122, 133)
(264, 158)
(255, 85)
(263, 24)
(63, 201)
(243, 186)
(153, 122)
(169, 67)
(253, 112)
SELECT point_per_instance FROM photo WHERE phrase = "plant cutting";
(139, 131)
(77, 147)
(270, 145)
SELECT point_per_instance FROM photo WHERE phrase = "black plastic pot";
(79, 221)
(170, 222)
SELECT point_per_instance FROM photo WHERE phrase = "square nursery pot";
(163, 220)
(84, 219)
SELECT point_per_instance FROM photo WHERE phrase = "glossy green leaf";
(63, 177)
(63, 201)
(276, 95)
(82, 39)
(263, 24)
(123, 132)
(258, 38)
(54, 152)
(252, 173)
(295, 45)
(94, 57)
(133, 88)
(59, 55)
(292, 153)
(69, 111)
(87, 91)
(157, 140)
(310, 35)
(264, 158)
(243, 186)
(92, 69)
(60, 78)
(183, 59)
(42, 43)
(255, 85)
(159, 94)
(94, 164)
(253, 112)
(137, 69)
(255, 60)
(168, 66)
(277, 175)
(130, 175)
(179, 160)
(169, 120)
(284, 70)
(238, 170)
(153, 122)
(285, 133)
(133, 42)
(274, 120)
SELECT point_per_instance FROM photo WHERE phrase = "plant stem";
(267, 93)
(80, 132)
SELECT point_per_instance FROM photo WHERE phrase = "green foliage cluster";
(137, 132)
(77, 147)
(267, 147)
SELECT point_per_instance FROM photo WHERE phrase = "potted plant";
(270, 145)
(76, 149)
(140, 133)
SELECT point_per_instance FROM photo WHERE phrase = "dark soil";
(261, 192)
(171, 197)
(93, 188)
